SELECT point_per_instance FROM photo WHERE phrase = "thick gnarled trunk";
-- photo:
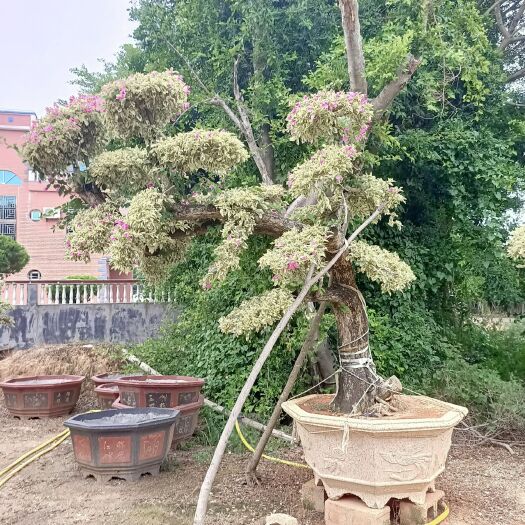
(357, 381)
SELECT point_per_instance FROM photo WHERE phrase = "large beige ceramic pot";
(376, 459)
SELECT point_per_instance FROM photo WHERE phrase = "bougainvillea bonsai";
(148, 198)
(152, 198)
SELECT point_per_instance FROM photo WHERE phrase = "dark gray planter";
(122, 443)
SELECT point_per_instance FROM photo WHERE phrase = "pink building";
(27, 211)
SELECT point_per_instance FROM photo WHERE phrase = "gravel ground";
(484, 486)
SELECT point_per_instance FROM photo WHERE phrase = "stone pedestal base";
(414, 514)
(313, 496)
(350, 510)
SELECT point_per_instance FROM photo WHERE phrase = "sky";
(41, 40)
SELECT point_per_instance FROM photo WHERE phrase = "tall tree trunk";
(266, 147)
(357, 381)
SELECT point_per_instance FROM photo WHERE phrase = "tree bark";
(311, 338)
(267, 153)
(357, 380)
(405, 72)
(354, 45)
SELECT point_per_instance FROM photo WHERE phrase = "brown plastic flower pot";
(109, 377)
(122, 443)
(159, 391)
(41, 396)
(107, 394)
(186, 423)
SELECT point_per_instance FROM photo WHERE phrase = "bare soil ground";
(484, 486)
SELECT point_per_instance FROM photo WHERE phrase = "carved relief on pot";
(184, 424)
(185, 398)
(158, 399)
(114, 449)
(60, 398)
(10, 400)
(82, 448)
(129, 398)
(406, 467)
(151, 445)
(35, 400)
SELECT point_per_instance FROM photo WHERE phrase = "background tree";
(13, 256)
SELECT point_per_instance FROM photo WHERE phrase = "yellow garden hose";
(441, 517)
(244, 441)
(25, 459)
(19, 464)
(33, 451)
(269, 458)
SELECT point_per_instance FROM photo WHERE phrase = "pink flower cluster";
(61, 117)
(87, 103)
(324, 114)
(121, 224)
(122, 93)
(311, 103)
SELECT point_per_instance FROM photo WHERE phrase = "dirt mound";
(75, 359)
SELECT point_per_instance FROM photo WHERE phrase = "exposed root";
(252, 479)
(377, 399)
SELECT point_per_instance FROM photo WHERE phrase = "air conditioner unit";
(51, 213)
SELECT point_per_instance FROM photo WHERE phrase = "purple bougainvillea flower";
(293, 265)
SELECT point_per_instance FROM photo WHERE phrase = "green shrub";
(408, 343)
(493, 402)
(499, 350)
(71, 291)
(195, 346)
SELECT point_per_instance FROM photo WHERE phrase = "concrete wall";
(54, 324)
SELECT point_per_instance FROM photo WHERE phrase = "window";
(34, 275)
(32, 176)
(8, 216)
(8, 177)
(51, 213)
(35, 215)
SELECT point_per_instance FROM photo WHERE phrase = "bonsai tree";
(13, 256)
(150, 193)
(171, 188)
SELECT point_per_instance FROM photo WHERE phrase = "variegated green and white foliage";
(149, 180)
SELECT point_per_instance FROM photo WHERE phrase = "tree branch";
(512, 40)
(393, 88)
(516, 19)
(354, 45)
(499, 21)
(190, 67)
(496, 3)
(271, 223)
(247, 127)
(241, 121)
(520, 73)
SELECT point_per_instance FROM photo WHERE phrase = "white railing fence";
(57, 292)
